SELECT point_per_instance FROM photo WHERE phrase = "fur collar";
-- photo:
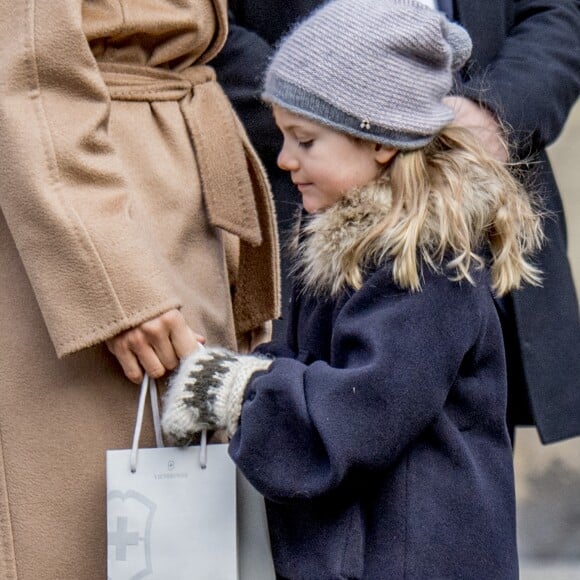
(322, 243)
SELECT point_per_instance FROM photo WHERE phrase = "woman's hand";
(482, 123)
(155, 346)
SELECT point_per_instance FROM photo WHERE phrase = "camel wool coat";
(127, 188)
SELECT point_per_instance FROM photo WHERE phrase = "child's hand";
(207, 392)
(155, 346)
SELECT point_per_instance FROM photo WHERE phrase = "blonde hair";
(454, 208)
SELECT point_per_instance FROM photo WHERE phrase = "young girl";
(377, 433)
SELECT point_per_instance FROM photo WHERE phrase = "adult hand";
(155, 346)
(482, 123)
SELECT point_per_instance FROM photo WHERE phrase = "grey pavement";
(542, 571)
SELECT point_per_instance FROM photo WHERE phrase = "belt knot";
(219, 141)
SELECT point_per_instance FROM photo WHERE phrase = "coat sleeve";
(64, 196)
(240, 68)
(535, 78)
(305, 427)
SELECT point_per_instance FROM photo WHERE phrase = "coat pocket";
(353, 556)
(317, 539)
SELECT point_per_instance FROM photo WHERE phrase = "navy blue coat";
(378, 436)
(526, 66)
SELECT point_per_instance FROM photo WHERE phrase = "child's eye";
(307, 143)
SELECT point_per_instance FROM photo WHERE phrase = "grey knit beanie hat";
(375, 69)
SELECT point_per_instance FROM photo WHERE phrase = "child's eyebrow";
(298, 127)
(293, 126)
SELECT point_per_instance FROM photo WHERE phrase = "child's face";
(325, 164)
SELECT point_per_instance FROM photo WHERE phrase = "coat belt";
(215, 132)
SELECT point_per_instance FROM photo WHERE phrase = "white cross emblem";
(122, 538)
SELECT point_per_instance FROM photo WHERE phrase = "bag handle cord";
(149, 384)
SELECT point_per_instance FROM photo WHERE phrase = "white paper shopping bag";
(171, 512)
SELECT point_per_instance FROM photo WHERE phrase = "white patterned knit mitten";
(207, 392)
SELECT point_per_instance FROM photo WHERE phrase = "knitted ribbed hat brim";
(310, 106)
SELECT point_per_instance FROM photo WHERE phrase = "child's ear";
(384, 154)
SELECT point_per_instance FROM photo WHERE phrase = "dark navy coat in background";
(380, 441)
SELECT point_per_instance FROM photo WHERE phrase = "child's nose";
(287, 162)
